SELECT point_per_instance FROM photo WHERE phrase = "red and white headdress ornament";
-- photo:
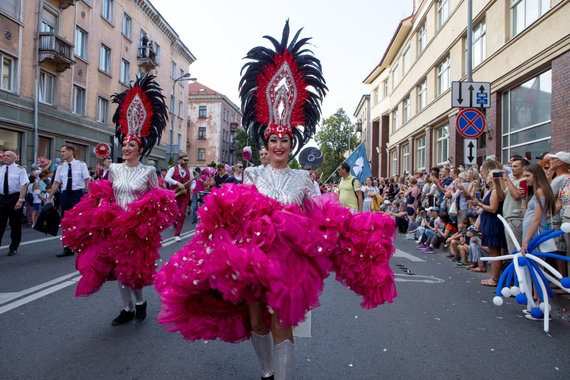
(141, 114)
(281, 90)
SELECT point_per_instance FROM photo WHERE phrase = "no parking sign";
(470, 123)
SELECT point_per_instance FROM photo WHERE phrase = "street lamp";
(184, 77)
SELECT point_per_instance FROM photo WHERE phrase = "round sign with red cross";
(470, 123)
(102, 150)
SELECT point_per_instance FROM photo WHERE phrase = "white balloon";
(541, 306)
(515, 291)
(565, 227)
(506, 292)
(498, 300)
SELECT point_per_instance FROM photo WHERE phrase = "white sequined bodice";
(287, 185)
(131, 183)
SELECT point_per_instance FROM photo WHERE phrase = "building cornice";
(363, 100)
(164, 27)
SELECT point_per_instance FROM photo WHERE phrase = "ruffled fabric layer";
(112, 243)
(249, 247)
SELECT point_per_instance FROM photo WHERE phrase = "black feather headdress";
(281, 90)
(141, 113)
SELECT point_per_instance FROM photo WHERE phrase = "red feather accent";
(136, 113)
(280, 95)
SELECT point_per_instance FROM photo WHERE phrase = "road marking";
(34, 241)
(10, 301)
(408, 256)
(427, 279)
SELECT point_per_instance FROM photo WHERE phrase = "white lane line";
(408, 256)
(7, 299)
(427, 279)
(34, 241)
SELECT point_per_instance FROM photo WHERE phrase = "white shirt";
(170, 173)
(79, 173)
(17, 178)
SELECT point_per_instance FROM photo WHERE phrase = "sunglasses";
(239, 167)
(186, 160)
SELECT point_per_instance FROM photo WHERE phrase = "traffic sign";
(470, 123)
(471, 94)
(102, 150)
(469, 151)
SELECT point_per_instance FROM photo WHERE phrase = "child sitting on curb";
(474, 251)
(453, 241)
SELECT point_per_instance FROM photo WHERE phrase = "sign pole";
(469, 42)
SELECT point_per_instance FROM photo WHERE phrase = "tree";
(332, 138)
(243, 140)
(294, 164)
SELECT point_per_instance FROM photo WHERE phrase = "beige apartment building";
(213, 120)
(522, 47)
(86, 51)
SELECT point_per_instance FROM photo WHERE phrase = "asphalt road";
(443, 325)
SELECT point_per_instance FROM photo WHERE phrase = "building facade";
(85, 51)
(213, 121)
(522, 47)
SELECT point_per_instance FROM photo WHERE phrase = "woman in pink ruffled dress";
(262, 249)
(115, 229)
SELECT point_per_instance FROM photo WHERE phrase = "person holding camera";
(512, 207)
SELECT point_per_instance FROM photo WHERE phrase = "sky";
(348, 36)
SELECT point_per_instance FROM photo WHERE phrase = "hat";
(472, 229)
(541, 156)
(562, 156)
(57, 160)
(433, 209)
(387, 202)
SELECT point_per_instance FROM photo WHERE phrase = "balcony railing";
(147, 58)
(233, 147)
(56, 49)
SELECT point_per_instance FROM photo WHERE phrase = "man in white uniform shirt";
(13, 186)
(74, 177)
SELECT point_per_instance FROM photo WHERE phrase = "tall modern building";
(522, 47)
(62, 60)
(213, 120)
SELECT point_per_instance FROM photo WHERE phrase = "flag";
(359, 166)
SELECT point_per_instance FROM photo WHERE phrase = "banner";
(359, 166)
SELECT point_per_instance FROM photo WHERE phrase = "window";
(395, 117)
(47, 86)
(395, 75)
(107, 10)
(527, 117)
(10, 8)
(421, 153)
(127, 26)
(156, 53)
(181, 73)
(172, 100)
(525, 12)
(105, 59)
(406, 158)
(394, 165)
(181, 109)
(375, 96)
(386, 88)
(202, 111)
(406, 109)
(173, 70)
(422, 38)
(442, 12)
(441, 149)
(78, 100)
(102, 110)
(7, 67)
(479, 43)
(125, 71)
(179, 140)
(49, 21)
(443, 76)
(81, 46)
(201, 133)
(201, 154)
(406, 59)
(422, 95)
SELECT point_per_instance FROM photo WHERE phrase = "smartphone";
(498, 175)
(478, 195)
(523, 185)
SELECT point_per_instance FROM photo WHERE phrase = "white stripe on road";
(427, 279)
(34, 241)
(8, 299)
(408, 256)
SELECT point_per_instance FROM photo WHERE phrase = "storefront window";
(10, 140)
(527, 116)
(44, 148)
(80, 151)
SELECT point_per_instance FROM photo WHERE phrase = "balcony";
(234, 127)
(67, 3)
(147, 58)
(233, 147)
(55, 49)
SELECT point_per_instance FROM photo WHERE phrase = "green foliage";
(212, 164)
(294, 164)
(242, 140)
(171, 162)
(332, 139)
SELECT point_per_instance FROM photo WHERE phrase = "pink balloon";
(247, 153)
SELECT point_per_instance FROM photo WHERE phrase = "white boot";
(283, 360)
(263, 346)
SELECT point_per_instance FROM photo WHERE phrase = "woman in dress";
(263, 248)
(121, 236)
(370, 192)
